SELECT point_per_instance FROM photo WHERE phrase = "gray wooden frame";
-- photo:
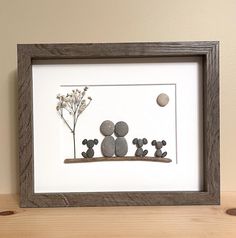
(209, 51)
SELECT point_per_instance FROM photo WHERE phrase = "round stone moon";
(162, 99)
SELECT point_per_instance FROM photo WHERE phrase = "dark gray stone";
(145, 152)
(107, 128)
(164, 154)
(145, 141)
(121, 147)
(158, 153)
(84, 154)
(135, 141)
(140, 143)
(90, 143)
(121, 129)
(159, 145)
(163, 142)
(108, 146)
(90, 153)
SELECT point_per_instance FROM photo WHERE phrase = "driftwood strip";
(129, 158)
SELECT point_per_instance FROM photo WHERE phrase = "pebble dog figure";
(139, 143)
(90, 144)
(159, 145)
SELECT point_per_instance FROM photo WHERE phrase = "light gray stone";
(121, 147)
(162, 99)
(107, 128)
(121, 129)
(108, 146)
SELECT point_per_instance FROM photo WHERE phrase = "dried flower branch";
(73, 103)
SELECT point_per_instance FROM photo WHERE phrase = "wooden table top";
(127, 222)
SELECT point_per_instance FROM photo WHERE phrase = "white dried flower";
(82, 108)
(67, 99)
(74, 104)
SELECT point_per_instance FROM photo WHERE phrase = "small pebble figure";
(108, 144)
(121, 145)
(159, 145)
(90, 144)
(139, 144)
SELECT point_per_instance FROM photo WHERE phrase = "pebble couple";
(119, 146)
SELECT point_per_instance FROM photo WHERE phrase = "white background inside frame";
(128, 92)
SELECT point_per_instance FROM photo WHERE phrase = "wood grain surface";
(119, 222)
(209, 53)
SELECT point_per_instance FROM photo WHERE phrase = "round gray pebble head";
(90, 143)
(162, 99)
(107, 128)
(159, 145)
(121, 129)
(140, 143)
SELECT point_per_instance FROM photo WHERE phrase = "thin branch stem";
(74, 136)
(61, 114)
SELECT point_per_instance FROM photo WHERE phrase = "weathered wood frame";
(209, 51)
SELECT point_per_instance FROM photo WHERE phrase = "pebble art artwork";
(114, 146)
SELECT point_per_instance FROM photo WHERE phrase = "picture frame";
(206, 51)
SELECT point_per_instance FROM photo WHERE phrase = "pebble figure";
(90, 144)
(139, 144)
(121, 145)
(159, 145)
(108, 144)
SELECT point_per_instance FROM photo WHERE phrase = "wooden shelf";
(128, 158)
(122, 222)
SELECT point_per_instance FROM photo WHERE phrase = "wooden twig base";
(128, 158)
